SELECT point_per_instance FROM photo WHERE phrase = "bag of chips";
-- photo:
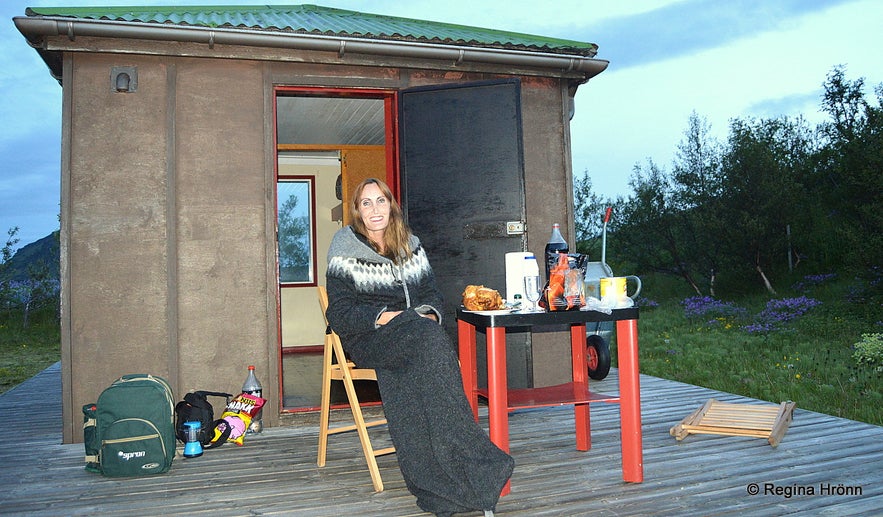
(237, 417)
(565, 289)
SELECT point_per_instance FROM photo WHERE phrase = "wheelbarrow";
(598, 335)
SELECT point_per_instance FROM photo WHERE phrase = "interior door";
(462, 178)
(359, 164)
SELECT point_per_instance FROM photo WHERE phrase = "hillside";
(43, 251)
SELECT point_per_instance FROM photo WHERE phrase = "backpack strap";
(215, 394)
(224, 434)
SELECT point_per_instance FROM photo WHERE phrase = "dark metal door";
(462, 179)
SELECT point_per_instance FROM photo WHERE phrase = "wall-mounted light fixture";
(124, 79)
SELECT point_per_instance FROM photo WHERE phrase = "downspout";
(36, 28)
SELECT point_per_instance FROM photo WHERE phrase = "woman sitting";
(386, 308)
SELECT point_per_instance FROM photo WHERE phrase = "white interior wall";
(302, 321)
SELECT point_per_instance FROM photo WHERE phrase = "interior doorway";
(327, 142)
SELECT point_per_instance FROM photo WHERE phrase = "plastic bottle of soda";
(252, 386)
(556, 245)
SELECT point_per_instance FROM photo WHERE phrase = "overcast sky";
(723, 59)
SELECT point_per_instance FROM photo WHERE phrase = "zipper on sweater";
(397, 273)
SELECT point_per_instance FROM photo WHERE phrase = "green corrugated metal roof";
(313, 19)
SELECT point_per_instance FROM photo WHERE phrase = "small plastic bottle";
(252, 386)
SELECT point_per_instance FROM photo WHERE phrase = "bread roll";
(481, 298)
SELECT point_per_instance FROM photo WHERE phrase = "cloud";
(791, 105)
(692, 26)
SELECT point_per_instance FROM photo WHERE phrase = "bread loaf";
(481, 298)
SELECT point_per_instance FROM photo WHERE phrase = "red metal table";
(501, 400)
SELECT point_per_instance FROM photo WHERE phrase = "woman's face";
(374, 210)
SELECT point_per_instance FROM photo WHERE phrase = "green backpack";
(134, 431)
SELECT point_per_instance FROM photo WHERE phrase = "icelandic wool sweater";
(447, 460)
(362, 284)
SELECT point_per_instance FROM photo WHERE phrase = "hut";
(207, 158)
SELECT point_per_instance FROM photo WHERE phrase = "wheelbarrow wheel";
(597, 357)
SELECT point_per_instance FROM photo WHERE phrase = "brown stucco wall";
(223, 297)
(166, 228)
(117, 320)
(168, 211)
(549, 198)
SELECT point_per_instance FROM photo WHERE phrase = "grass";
(799, 346)
(24, 352)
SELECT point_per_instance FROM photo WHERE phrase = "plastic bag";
(565, 289)
(594, 304)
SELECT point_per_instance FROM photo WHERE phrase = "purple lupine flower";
(778, 312)
(706, 306)
(812, 281)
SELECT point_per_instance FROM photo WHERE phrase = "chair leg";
(362, 429)
(325, 412)
(343, 373)
(360, 425)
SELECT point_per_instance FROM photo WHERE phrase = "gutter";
(37, 28)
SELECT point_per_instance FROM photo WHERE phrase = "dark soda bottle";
(556, 245)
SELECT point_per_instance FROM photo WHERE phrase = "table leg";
(630, 400)
(468, 366)
(580, 377)
(498, 396)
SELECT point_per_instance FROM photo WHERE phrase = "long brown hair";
(396, 245)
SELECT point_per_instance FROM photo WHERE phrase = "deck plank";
(276, 474)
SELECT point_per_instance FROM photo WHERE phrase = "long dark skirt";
(446, 458)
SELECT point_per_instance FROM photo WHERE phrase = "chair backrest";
(323, 301)
(336, 348)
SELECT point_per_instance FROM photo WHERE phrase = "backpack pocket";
(133, 447)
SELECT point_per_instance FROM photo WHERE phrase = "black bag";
(134, 427)
(196, 408)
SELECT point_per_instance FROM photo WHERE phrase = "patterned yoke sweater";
(447, 460)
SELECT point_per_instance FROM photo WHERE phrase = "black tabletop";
(528, 319)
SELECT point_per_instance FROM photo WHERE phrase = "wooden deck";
(823, 466)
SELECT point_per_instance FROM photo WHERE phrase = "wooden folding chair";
(346, 371)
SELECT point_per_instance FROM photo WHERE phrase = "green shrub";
(869, 351)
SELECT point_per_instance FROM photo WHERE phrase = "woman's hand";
(385, 317)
